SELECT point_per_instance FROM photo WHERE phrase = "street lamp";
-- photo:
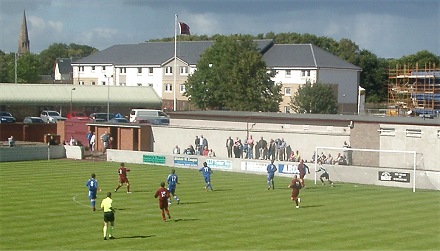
(108, 96)
(71, 98)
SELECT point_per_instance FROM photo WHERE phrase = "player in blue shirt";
(172, 182)
(92, 184)
(271, 169)
(206, 172)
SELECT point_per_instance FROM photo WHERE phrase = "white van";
(155, 117)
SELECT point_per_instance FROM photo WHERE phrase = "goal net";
(369, 166)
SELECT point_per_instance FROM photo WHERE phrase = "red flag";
(184, 28)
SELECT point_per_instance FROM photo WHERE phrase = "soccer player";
(122, 171)
(324, 174)
(163, 194)
(92, 184)
(303, 169)
(206, 172)
(172, 182)
(296, 186)
(271, 169)
(109, 216)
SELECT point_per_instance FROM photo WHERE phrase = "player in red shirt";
(163, 194)
(303, 169)
(296, 186)
(122, 171)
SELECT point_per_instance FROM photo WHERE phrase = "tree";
(27, 69)
(232, 75)
(373, 76)
(316, 98)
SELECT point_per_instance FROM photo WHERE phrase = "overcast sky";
(387, 28)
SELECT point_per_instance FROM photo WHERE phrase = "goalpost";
(368, 162)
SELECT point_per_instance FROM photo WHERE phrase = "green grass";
(44, 206)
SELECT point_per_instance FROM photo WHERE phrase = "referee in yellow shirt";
(109, 216)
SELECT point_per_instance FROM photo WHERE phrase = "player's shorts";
(92, 195)
(270, 176)
(109, 216)
(207, 179)
(325, 175)
(163, 204)
(123, 180)
(295, 193)
(172, 190)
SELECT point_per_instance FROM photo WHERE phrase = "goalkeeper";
(324, 174)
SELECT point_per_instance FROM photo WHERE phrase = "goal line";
(371, 159)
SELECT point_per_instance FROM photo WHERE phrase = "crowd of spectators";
(200, 147)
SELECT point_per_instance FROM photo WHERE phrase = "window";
(81, 68)
(288, 73)
(103, 68)
(168, 87)
(82, 83)
(123, 70)
(139, 70)
(413, 133)
(182, 88)
(150, 70)
(169, 70)
(183, 70)
(150, 84)
(287, 109)
(103, 82)
(93, 68)
(287, 91)
(438, 134)
(387, 132)
(305, 73)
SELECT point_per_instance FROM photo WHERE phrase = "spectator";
(271, 150)
(238, 148)
(89, 137)
(190, 150)
(329, 159)
(72, 141)
(282, 152)
(263, 148)
(211, 153)
(197, 141)
(105, 138)
(176, 150)
(205, 151)
(229, 146)
(11, 141)
(297, 156)
(93, 142)
(203, 142)
(250, 147)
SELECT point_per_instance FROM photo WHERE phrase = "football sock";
(176, 198)
(111, 231)
(104, 229)
(163, 215)
(92, 202)
(128, 188)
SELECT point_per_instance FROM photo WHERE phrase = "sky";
(387, 28)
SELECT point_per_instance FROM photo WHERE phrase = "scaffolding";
(414, 91)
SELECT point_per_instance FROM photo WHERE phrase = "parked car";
(33, 120)
(155, 117)
(77, 115)
(51, 116)
(6, 117)
(101, 116)
(119, 120)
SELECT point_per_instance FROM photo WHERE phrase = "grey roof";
(304, 56)
(155, 53)
(49, 94)
(64, 65)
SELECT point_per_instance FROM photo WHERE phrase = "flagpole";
(175, 61)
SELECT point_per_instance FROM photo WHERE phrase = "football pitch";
(44, 206)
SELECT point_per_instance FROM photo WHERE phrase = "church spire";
(23, 40)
